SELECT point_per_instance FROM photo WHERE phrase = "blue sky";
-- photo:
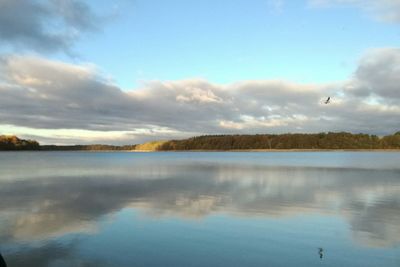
(226, 41)
(75, 71)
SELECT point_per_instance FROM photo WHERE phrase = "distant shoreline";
(275, 150)
(291, 142)
(217, 151)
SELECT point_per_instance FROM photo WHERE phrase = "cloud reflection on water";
(46, 207)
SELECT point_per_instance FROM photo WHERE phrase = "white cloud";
(378, 74)
(75, 102)
(385, 10)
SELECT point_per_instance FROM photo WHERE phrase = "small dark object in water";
(321, 253)
(2, 262)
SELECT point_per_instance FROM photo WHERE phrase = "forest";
(330, 140)
(341, 140)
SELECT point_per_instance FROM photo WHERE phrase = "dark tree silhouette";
(2, 262)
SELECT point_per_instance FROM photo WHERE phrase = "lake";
(200, 209)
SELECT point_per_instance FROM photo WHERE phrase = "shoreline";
(230, 150)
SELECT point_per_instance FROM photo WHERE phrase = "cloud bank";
(37, 93)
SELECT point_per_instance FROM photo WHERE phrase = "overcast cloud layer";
(45, 26)
(43, 94)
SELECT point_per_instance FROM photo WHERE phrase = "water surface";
(200, 209)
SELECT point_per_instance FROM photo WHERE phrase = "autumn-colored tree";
(11, 142)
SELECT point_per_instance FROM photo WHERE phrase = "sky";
(126, 72)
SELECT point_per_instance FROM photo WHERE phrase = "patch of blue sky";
(229, 41)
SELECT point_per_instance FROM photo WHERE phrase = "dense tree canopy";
(11, 142)
(341, 140)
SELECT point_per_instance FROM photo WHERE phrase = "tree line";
(96, 147)
(12, 142)
(331, 140)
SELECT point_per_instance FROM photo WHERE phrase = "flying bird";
(328, 100)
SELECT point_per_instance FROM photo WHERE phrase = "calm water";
(200, 209)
